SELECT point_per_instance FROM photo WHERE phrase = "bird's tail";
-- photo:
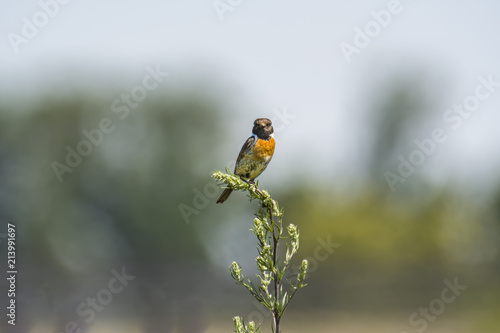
(224, 195)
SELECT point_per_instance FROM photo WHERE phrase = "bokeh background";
(142, 200)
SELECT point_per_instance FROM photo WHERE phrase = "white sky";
(280, 54)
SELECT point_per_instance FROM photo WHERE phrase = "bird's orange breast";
(255, 159)
(264, 149)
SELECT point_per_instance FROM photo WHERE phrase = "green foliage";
(267, 227)
(240, 327)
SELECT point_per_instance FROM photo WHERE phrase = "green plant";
(267, 227)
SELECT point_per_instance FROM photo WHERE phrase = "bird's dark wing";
(245, 147)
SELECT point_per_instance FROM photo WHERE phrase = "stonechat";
(255, 154)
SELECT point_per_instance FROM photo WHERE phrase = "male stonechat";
(255, 154)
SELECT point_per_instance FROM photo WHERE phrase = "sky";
(278, 57)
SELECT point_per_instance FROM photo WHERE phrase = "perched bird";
(255, 154)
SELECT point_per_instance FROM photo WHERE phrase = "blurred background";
(114, 115)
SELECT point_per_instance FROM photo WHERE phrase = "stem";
(275, 311)
(291, 296)
(276, 324)
(276, 288)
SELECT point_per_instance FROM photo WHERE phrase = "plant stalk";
(276, 316)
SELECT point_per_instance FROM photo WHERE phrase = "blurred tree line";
(119, 207)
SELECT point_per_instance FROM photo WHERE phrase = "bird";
(255, 154)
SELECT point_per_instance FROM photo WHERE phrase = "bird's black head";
(263, 128)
